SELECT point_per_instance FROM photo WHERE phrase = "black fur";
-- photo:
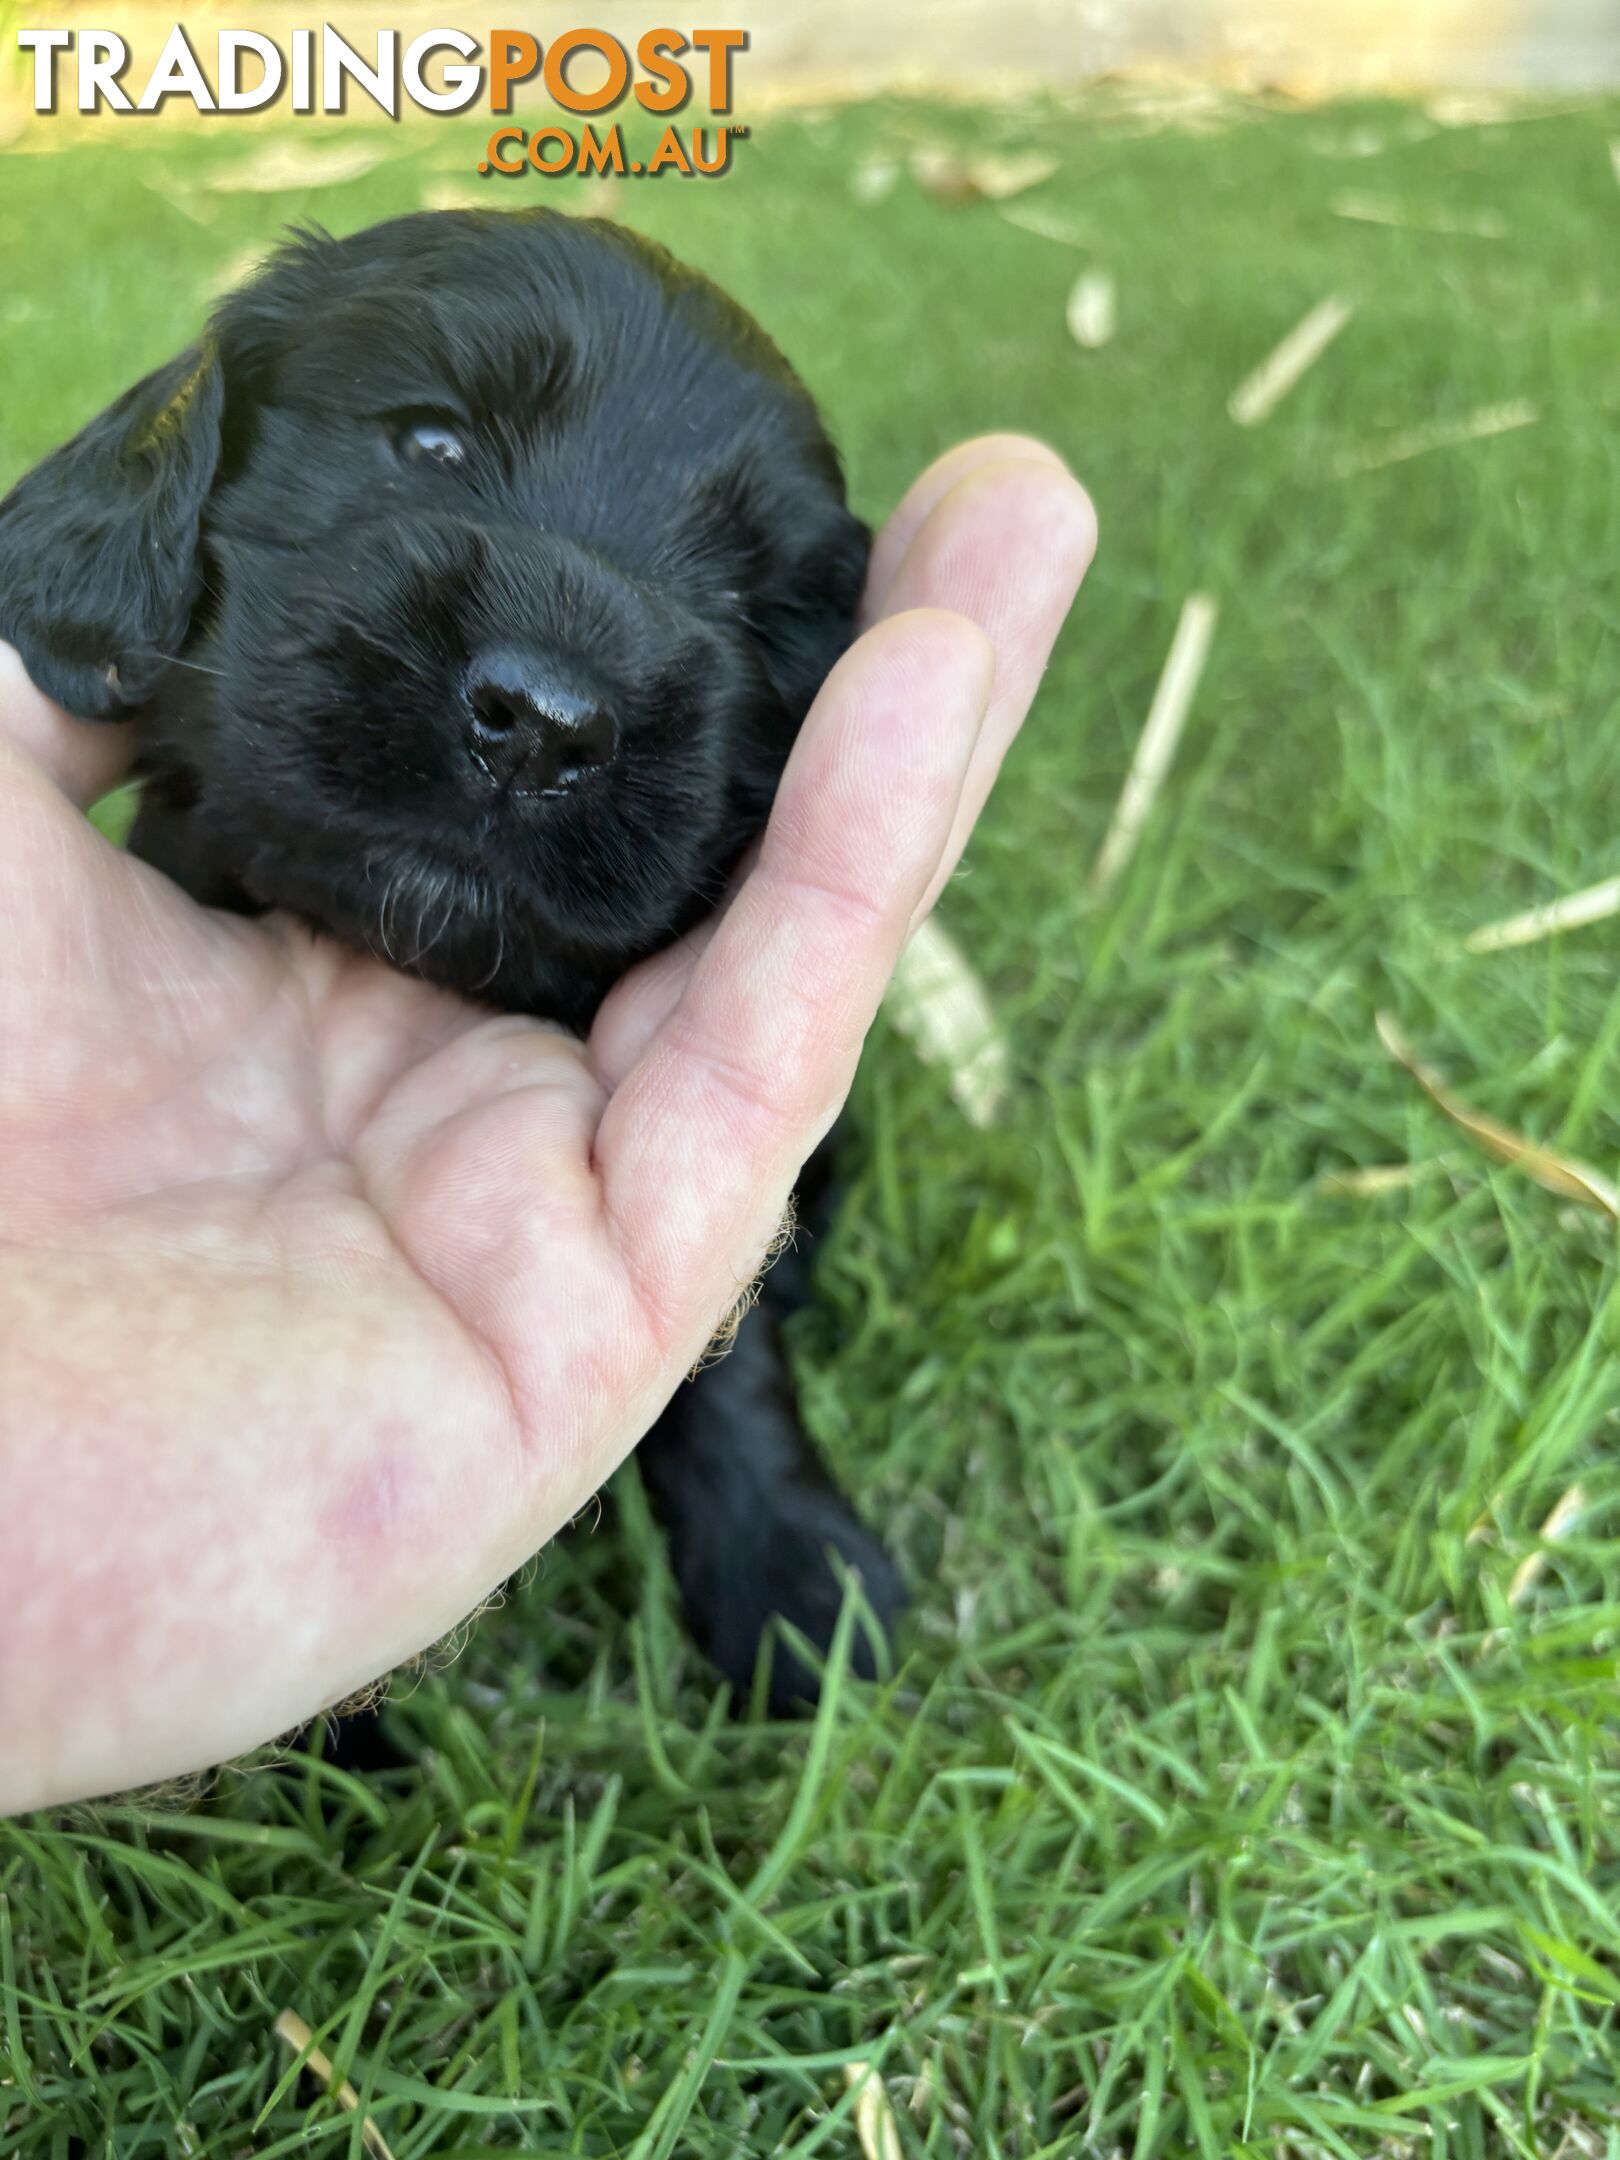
(262, 555)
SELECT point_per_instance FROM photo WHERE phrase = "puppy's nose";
(529, 730)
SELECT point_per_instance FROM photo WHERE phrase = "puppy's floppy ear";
(804, 609)
(99, 566)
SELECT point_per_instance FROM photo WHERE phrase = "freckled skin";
(368, 1503)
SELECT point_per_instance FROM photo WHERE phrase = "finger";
(1006, 545)
(698, 1149)
(640, 1002)
(83, 758)
(996, 530)
(107, 972)
(893, 543)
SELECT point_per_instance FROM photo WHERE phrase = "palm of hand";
(183, 1089)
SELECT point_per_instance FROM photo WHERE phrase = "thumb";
(698, 1149)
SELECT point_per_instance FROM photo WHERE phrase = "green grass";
(1223, 1803)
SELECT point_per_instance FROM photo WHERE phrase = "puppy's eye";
(426, 439)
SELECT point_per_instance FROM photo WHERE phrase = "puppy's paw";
(779, 1565)
(357, 1740)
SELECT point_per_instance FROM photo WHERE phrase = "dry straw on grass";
(1558, 1173)
(1374, 210)
(1045, 224)
(1167, 715)
(1558, 1525)
(939, 1004)
(952, 179)
(1371, 1182)
(1093, 311)
(281, 168)
(1257, 397)
(874, 180)
(1594, 903)
(875, 2126)
(1403, 443)
(291, 2028)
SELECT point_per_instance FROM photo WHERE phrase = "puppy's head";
(469, 582)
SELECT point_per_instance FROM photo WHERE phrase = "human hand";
(325, 1298)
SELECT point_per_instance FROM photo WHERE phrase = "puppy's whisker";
(499, 960)
(390, 893)
(448, 883)
(422, 905)
(196, 667)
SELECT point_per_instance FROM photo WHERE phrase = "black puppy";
(468, 584)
